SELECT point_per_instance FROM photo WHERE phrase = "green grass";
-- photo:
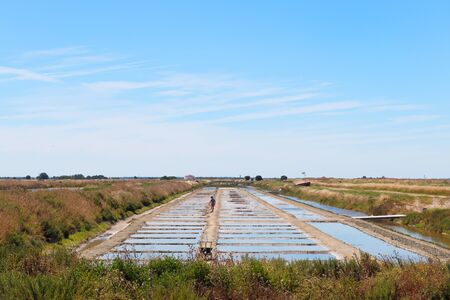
(82, 236)
(162, 201)
(69, 217)
(435, 220)
(32, 268)
(28, 273)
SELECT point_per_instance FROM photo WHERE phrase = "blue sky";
(225, 88)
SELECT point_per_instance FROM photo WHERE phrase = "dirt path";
(211, 230)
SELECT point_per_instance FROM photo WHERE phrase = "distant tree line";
(44, 176)
(168, 177)
(79, 177)
(259, 178)
(365, 177)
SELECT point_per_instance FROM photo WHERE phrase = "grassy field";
(54, 214)
(35, 263)
(28, 273)
(426, 202)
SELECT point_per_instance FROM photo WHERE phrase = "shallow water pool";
(365, 242)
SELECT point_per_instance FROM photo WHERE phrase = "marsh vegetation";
(425, 202)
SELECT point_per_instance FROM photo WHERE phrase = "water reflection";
(417, 235)
(365, 242)
(339, 211)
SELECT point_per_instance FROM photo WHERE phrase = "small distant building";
(189, 177)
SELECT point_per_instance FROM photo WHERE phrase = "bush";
(130, 270)
(51, 232)
(168, 177)
(159, 267)
(29, 273)
(108, 216)
(258, 178)
(43, 176)
(437, 220)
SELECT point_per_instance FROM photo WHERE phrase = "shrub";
(51, 232)
(107, 215)
(199, 271)
(43, 176)
(29, 273)
(130, 270)
(159, 267)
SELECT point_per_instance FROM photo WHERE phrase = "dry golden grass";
(351, 196)
(54, 214)
(395, 187)
(42, 184)
(422, 182)
(9, 222)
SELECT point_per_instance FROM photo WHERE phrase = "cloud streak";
(113, 105)
(65, 51)
(310, 109)
(119, 86)
(24, 74)
(414, 118)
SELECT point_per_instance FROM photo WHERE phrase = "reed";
(394, 187)
(54, 215)
(26, 273)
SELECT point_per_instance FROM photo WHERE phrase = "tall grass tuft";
(59, 274)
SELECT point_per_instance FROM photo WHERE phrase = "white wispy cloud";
(81, 60)
(68, 62)
(176, 110)
(119, 86)
(80, 72)
(64, 51)
(414, 118)
(179, 83)
(384, 106)
(23, 74)
(318, 108)
(174, 96)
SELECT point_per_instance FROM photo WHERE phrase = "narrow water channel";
(441, 241)
(343, 232)
(435, 239)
